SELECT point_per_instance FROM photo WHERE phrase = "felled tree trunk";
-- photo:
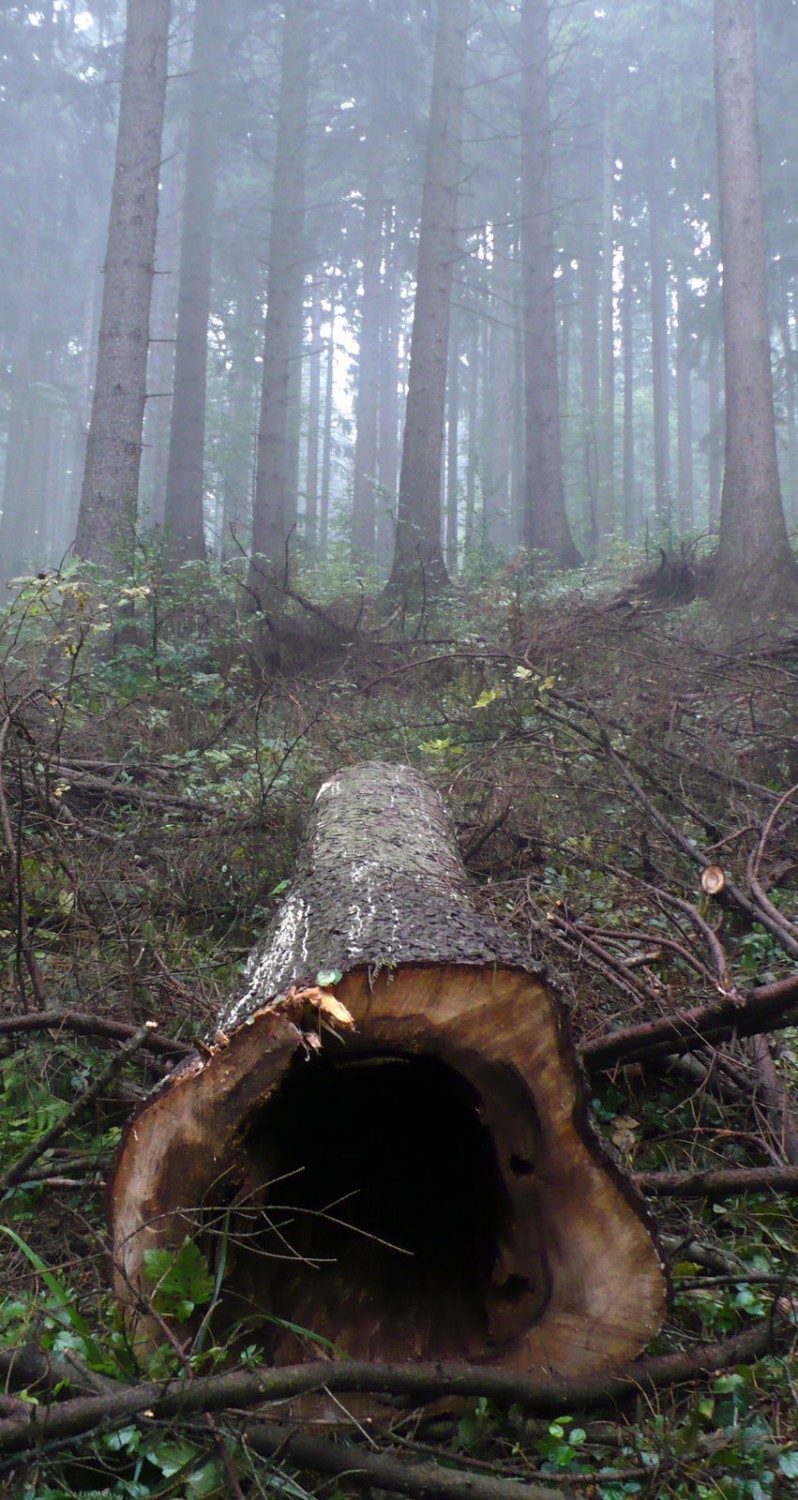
(388, 1145)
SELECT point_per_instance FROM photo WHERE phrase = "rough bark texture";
(418, 565)
(606, 435)
(273, 502)
(364, 509)
(657, 210)
(754, 559)
(546, 522)
(113, 455)
(418, 1182)
(184, 480)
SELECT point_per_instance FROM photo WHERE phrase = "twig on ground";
(19, 1169)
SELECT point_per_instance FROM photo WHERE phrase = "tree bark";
(314, 421)
(452, 457)
(21, 545)
(589, 284)
(715, 433)
(631, 518)
(391, 323)
(684, 411)
(755, 564)
(273, 501)
(392, 1052)
(107, 517)
(327, 436)
(183, 515)
(606, 445)
(364, 508)
(765, 1009)
(418, 569)
(657, 209)
(547, 526)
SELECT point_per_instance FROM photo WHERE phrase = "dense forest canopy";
(585, 265)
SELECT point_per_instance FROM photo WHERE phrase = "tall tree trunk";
(314, 420)
(452, 455)
(19, 544)
(113, 455)
(606, 436)
(684, 411)
(272, 509)
(714, 435)
(161, 357)
(183, 513)
(470, 540)
(238, 453)
(296, 363)
(791, 457)
(518, 486)
(547, 525)
(630, 510)
(755, 565)
(390, 330)
(326, 450)
(497, 445)
(364, 508)
(418, 566)
(657, 208)
(589, 278)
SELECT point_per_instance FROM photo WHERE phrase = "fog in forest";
(537, 229)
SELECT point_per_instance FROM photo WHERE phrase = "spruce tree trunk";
(791, 461)
(364, 507)
(183, 514)
(606, 444)
(418, 570)
(20, 546)
(755, 564)
(274, 503)
(387, 1143)
(657, 209)
(390, 328)
(684, 411)
(107, 517)
(471, 540)
(326, 447)
(452, 456)
(630, 510)
(314, 421)
(590, 280)
(715, 475)
(547, 524)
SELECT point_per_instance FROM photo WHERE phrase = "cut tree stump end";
(397, 1158)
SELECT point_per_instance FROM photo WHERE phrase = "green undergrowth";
(160, 751)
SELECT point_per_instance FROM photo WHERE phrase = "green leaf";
(63, 1305)
(788, 1464)
(181, 1280)
(326, 977)
(489, 696)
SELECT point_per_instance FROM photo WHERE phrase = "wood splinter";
(420, 1183)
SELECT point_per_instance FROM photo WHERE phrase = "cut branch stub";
(388, 1145)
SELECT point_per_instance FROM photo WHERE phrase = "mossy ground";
(159, 755)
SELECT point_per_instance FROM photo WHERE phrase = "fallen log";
(387, 1144)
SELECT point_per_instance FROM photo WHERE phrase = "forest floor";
(624, 779)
